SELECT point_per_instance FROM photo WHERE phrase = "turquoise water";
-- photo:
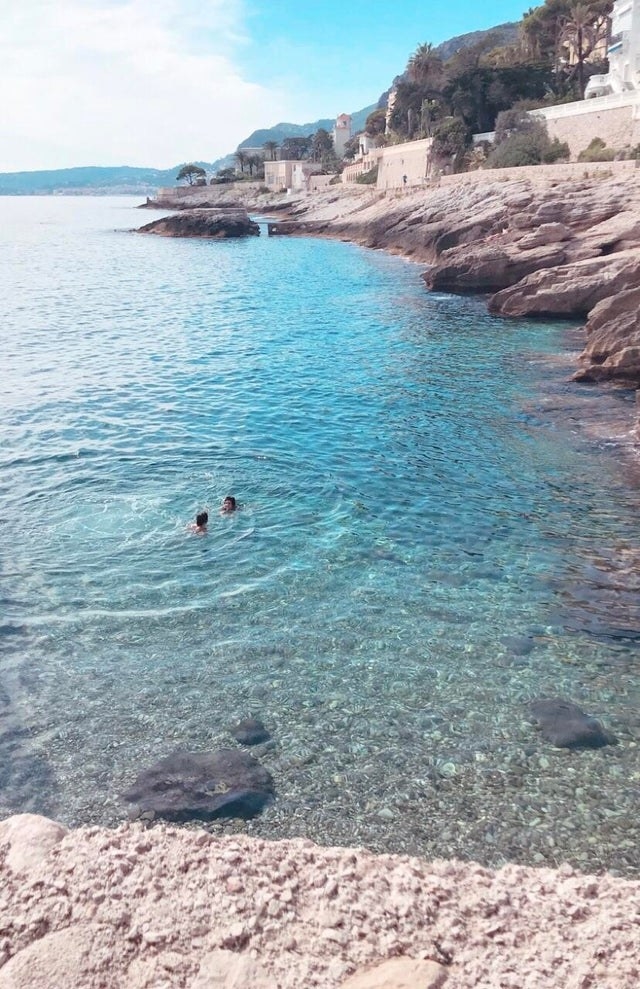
(427, 540)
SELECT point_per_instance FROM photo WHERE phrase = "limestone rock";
(571, 289)
(613, 340)
(64, 958)
(566, 725)
(203, 786)
(229, 970)
(211, 224)
(488, 267)
(399, 973)
(546, 233)
(30, 839)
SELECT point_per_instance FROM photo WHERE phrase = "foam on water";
(422, 545)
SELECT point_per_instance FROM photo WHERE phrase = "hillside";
(283, 130)
(144, 181)
(92, 179)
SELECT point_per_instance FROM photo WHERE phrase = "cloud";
(138, 82)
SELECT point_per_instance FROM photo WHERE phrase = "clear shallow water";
(423, 545)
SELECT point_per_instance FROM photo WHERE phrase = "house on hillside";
(623, 53)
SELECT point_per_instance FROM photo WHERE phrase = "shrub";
(529, 146)
(451, 140)
(368, 178)
(336, 180)
(597, 150)
(635, 152)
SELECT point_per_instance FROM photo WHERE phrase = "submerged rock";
(212, 224)
(202, 786)
(251, 731)
(566, 725)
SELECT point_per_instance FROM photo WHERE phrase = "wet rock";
(210, 224)
(202, 786)
(251, 731)
(613, 340)
(566, 725)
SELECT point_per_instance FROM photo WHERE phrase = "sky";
(156, 83)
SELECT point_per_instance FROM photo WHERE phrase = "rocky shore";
(161, 908)
(208, 223)
(566, 248)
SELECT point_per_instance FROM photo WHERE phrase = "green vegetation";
(597, 151)
(192, 173)
(368, 178)
(524, 140)
(451, 141)
(549, 62)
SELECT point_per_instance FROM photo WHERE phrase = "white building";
(341, 133)
(623, 53)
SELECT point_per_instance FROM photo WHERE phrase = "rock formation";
(210, 224)
(545, 247)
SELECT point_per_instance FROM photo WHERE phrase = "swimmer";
(200, 524)
(228, 505)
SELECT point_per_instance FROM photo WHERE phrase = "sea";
(436, 528)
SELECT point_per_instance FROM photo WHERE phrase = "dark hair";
(231, 499)
(202, 518)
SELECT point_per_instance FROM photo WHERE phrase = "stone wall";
(615, 119)
(408, 160)
(541, 174)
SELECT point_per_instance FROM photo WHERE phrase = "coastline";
(514, 926)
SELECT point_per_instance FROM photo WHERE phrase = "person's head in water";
(201, 520)
(229, 504)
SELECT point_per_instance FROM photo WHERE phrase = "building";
(289, 175)
(623, 53)
(341, 133)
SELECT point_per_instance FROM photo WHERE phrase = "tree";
(255, 162)
(425, 67)
(376, 122)
(271, 148)
(451, 140)
(295, 148)
(191, 172)
(565, 37)
(322, 145)
(241, 158)
(582, 30)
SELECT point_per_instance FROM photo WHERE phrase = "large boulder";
(613, 340)
(202, 786)
(211, 224)
(487, 267)
(570, 289)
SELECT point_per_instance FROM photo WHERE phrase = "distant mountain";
(279, 132)
(90, 179)
(505, 34)
(144, 181)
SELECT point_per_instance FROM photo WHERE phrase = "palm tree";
(271, 147)
(581, 32)
(425, 66)
(241, 158)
